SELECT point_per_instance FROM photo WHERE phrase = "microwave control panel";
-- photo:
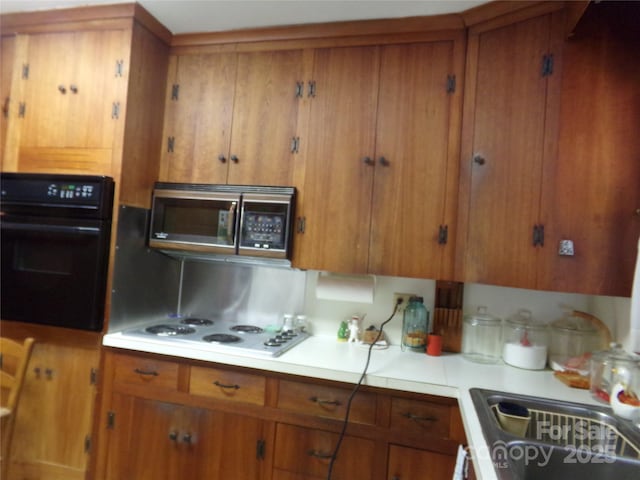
(264, 230)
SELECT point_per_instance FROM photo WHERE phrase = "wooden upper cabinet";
(7, 56)
(593, 190)
(74, 88)
(339, 158)
(381, 160)
(265, 118)
(199, 110)
(414, 161)
(230, 118)
(509, 87)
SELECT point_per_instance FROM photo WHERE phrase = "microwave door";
(195, 221)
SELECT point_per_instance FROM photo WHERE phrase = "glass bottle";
(415, 326)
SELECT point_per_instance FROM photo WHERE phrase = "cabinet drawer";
(420, 417)
(326, 401)
(227, 385)
(306, 451)
(130, 370)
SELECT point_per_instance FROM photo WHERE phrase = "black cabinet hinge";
(299, 89)
(87, 444)
(301, 224)
(175, 91)
(451, 83)
(260, 449)
(119, 67)
(538, 235)
(115, 110)
(93, 376)
(22, 109)
(547, 65)
(443, 234)
(312, 88)
(170, 144)
(295, 144)
(25, 71)
(111, 420)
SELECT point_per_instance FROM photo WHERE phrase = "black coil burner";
(246, 329)
(196, 322)
(170, 330)
(221, 338)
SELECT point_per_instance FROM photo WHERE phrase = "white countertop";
(449, 375)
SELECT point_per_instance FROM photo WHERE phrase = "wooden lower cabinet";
(154, 440)
(413, 464)
(307, 452)
(167, 418)
(53, 427)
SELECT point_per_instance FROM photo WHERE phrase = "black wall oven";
(55, 233)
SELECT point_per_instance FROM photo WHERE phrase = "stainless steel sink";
(563, 440)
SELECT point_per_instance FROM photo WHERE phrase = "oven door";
(54, 270)
(195, 221)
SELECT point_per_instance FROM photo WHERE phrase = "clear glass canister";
(415, 326)
(572, 341)
(482, 337)
(610, 367)
(526, 342)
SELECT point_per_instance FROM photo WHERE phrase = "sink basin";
(562, 440)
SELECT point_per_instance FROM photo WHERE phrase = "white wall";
(325, 315)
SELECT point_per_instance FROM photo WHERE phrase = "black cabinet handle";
(222, 158)
(320, 455)
(418, 418)
(187, 438)
(62, 89)
(222, 385)
(368, 161)
(234, 158)
(173, 436)
(479, 159)
(384, 162)
(149, 373)
(321, 401)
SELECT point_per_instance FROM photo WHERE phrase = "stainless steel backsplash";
(149, 285)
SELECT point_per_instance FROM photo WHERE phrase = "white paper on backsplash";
(345, 288)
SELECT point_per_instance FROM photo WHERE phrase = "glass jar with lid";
(525, 342)
(610, 367)
(571, 343)
(482, 337)
(415, 326)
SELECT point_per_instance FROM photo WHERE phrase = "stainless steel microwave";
(223, 219)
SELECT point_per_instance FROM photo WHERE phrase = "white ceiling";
(188, 16)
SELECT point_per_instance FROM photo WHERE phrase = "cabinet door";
(305, 453)
(56, 413)
(173, 441)
(593, 197)
(71, 89)
(264, 118)
(412, 160)
(336, 202)
(413, 464)
(7, 51)
(198, 115)
(503, 151)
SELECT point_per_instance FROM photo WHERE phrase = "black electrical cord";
(355, 390)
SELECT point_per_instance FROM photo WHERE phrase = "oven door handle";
(34, 227)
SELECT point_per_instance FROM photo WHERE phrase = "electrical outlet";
(405, 300)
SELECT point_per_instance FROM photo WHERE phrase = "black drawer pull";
(150, 373)
(222, 385)
(418, 418)
(320, 455)
(321, 401)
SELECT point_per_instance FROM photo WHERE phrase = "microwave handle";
(231, 223)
